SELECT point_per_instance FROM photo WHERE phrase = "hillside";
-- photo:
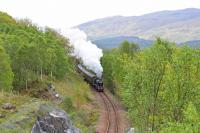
(114, 42)
(192, 43)
(178, 25)
(38, 73)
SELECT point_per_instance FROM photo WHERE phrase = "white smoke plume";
(85, 50)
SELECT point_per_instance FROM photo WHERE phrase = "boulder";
(8, 106)
(131, 130)
(2, 116)
(56, 121)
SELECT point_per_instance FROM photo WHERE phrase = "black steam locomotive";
(92, 79)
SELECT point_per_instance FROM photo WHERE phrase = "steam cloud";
(85, 50)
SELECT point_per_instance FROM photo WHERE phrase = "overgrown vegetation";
(160, 85)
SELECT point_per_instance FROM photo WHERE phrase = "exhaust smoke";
(85, 50)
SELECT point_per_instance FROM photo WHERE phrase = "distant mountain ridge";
(179, 25)
(193, 43)
(113, 42)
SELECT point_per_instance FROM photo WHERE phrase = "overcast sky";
(67, 13)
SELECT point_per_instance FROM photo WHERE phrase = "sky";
(61, 14)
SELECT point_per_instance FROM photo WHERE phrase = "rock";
(8, 106)
(56, 121)
(57, 95)
(131, 130)
(23, 121)
(8, 126)
(2, 116)
(44, 109)
(50, 86)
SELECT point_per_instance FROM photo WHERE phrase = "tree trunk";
(41, 73)
(51, 74)
(26, 84)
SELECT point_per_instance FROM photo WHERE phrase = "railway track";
(111, 114)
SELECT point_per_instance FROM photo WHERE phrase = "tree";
(107, 72)
(160, 85)
(5, 18)
(6, 74)
(34, 53)
(128, 48)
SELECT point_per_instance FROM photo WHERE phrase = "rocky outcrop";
(56, 121)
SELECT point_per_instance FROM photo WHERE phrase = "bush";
(156, 84)
(67, 104)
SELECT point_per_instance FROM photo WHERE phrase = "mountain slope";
(192, 43)
(179, 26)
(114, 42)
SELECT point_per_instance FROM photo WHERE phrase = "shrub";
(67, 104)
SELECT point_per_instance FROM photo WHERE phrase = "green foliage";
(160, 85)
(6, 74)
(190, 124)
(107, 73)
(128, 47)
(5, 18)
(34, 53)
(68, 104)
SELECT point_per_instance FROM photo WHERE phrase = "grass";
(83, 113)
(75, 88)
(15, 99)
(23, 119)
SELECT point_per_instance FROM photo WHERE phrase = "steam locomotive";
(92, 79)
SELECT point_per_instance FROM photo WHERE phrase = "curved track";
(111, 114)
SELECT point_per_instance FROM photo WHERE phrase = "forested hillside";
(160, 85)
(33, 59)
(31, 53)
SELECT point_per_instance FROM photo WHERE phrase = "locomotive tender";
(92, 79)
